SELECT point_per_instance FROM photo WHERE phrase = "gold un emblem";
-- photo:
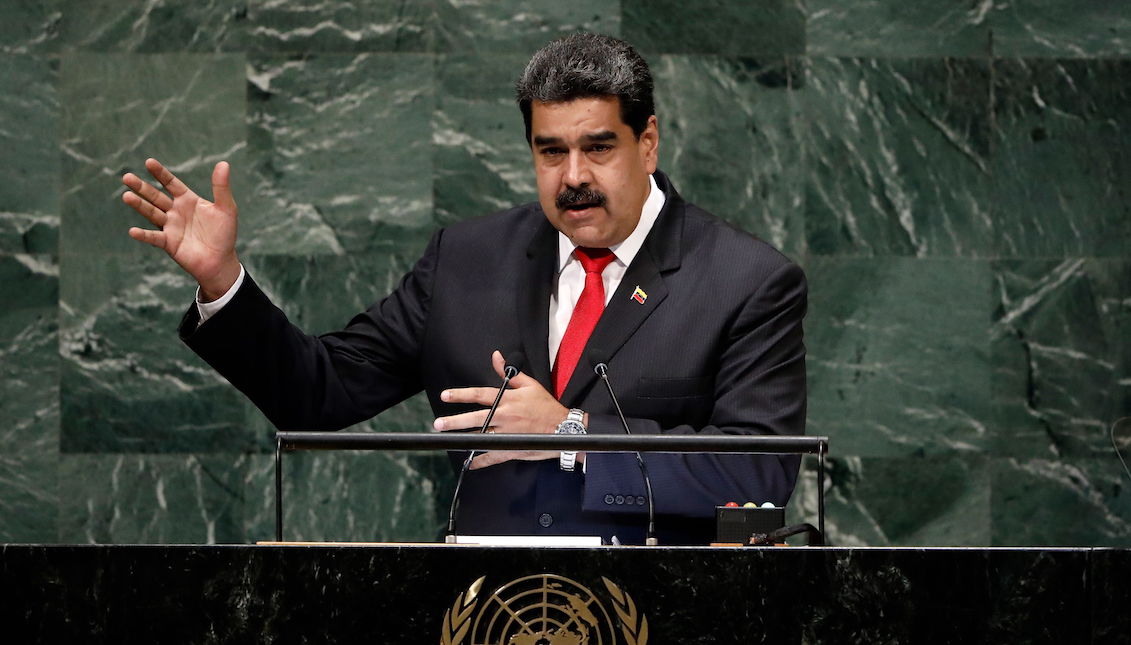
(543, 609)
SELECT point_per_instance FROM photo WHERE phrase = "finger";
(155, 238)
(498, 362)
(496, 457)
(480, 395)
(222, 188)
(147, 191)
(522, 379)
(491, 458)
(175, 186)
(461, 421)
(150, 212)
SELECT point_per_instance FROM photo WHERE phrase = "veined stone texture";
(29, 397)
(739, 166)
(152, 26)
(329, 26)
(903, 28)
(185, 109)
(953, 177)
(1062, 158)
(148, 498)
(1060, 355)
(129, 386)
(1052, 28)
(898, 157)
(340, 155)
(734, 27)
(874, 501)
(29, 118)
(30, 26)
(465, 26)
(899, 364)
(481, 160)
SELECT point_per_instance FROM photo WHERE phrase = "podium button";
(545, 519)
(609, 499)
(620, 499)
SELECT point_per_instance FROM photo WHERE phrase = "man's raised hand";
(199, 235)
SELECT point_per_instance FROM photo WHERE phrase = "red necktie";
(585, 315)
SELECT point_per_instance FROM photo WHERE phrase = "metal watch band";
(567, 459)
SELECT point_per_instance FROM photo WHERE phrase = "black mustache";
(573, 196)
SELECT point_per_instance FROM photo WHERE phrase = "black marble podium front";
(463, 594)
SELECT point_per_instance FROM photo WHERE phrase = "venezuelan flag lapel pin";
(639, 295)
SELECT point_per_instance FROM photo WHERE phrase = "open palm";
(199, 235)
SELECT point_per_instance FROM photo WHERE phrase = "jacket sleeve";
(759, 389)
(328, 382)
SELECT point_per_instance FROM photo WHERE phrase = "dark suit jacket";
(715, 348)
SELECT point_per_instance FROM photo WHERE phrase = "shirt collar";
(626, 250)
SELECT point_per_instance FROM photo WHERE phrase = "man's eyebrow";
(595, 137)
(603, 135)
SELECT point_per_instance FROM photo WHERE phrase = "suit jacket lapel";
(536, 281)
(621, 318)
(624, 315)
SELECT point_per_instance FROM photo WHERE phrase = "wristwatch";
(572, 425)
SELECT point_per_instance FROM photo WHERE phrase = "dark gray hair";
(588, 66)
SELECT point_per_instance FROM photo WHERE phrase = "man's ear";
(649, 142)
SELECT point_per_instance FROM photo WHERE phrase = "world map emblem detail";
(543, 609)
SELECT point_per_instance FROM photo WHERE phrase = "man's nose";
(578, 173)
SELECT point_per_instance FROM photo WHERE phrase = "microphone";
(601, 367)
(1115, 446)
(510, 370)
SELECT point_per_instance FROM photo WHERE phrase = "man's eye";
(552, 151)
(600, 147)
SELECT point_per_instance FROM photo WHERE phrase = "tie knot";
(593, 260)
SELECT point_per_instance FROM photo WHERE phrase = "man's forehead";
(596, 118)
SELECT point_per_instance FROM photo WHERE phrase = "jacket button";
(620, 499)
(609, 499)
(545, 519)
(640, 501)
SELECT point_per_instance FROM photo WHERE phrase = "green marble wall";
(955, 178)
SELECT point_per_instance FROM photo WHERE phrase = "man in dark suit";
(699, 323)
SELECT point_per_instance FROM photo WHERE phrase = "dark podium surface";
(428, 594)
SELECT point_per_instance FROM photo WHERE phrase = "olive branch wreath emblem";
(457, 619)
(635, 633)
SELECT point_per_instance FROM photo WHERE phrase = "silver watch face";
(569, 426)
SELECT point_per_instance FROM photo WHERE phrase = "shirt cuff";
(208, 309)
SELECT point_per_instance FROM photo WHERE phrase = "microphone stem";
(508, 374)
(650, 539)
